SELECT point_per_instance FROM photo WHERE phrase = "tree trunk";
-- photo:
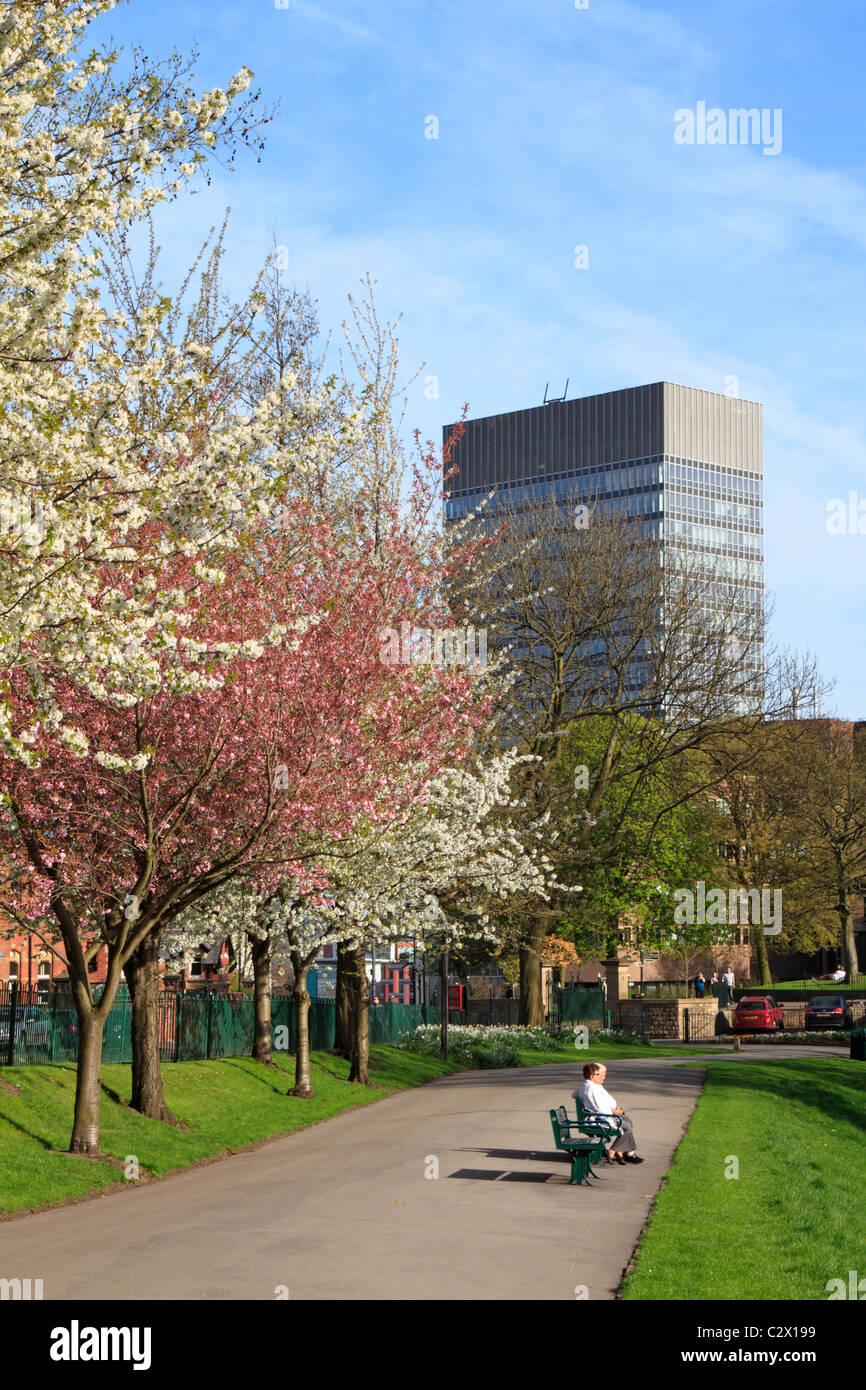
(262, 1042)
(762, 962)
(142, 978)
(531, 1010)
(612, 948)
(303, 1086)
(85, 1127)
(849, 944)
(360, 1052)
(346, 995)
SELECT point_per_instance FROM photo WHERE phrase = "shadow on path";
(505, 1175)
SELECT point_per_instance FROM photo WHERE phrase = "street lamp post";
(444, 992)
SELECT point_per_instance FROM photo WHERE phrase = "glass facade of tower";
(686, 465)
(720, 512)
(633, 485)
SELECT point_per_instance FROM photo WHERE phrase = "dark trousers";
(626, 1141)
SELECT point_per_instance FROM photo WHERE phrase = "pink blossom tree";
(307, 729)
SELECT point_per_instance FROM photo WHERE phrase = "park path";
(343, 1210)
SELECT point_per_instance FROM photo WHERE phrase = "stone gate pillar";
(616, 973)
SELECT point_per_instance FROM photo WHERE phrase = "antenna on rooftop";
(556, 400)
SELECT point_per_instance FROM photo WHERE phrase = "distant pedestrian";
(700, 985)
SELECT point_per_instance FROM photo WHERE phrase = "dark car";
(33, 1034)
(65, 1035)
(758, 1014)
(27, 1026)
(826, 1011)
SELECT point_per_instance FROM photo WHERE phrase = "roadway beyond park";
(344, 1209)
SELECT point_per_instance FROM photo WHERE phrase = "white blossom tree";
(434, 874)
(118, 448)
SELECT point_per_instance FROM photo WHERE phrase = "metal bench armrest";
(611, 1122)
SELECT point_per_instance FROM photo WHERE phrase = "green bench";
(581, 1151)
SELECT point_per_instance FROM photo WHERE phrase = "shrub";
(497, 1054)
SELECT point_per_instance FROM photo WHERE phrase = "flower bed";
(842, 1037)
(479, 1045)
(618, 1036)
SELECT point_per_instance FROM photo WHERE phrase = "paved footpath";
(344, 1210)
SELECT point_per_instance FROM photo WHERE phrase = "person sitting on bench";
(596, 1099)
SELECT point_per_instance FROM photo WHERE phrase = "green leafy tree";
(825, 795)
(767, 839)
(645, 839)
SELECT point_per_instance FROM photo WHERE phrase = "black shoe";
(618, 1158)
(633, 1158)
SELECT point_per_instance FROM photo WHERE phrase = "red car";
(758, 1014)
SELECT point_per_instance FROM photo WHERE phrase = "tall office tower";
(685, 464)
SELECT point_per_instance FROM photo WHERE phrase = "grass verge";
(224, 1105)
(794, 1217)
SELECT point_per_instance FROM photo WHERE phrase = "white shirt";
(839, 974)
(728, 978)
(596, 1098)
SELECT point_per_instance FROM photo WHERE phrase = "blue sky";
(556, 130)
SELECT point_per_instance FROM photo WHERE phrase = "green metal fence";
(39, 1024)
(580, 1004)
(387, 1021)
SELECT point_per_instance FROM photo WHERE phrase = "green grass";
(224, 1105)
(815, 986)
(796, 1215)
